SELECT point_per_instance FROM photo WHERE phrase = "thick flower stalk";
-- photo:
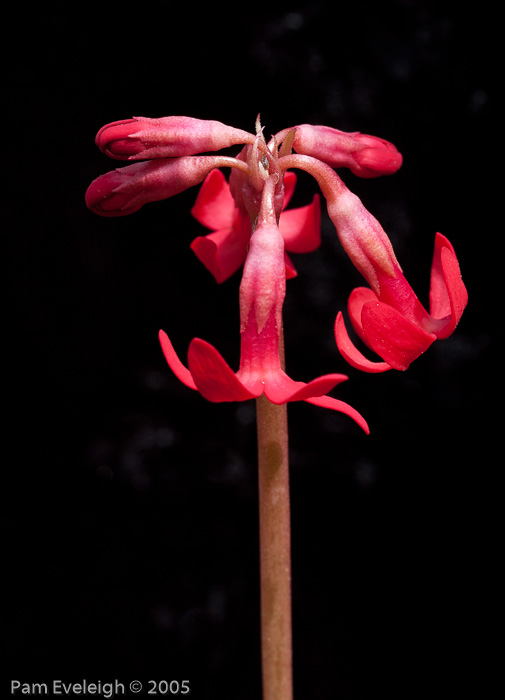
(388, 316)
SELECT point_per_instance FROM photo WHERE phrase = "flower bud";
(375, 157)
(366, 156)
(125, 190)
(166, 137)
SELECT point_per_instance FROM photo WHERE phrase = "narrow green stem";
(275, 550)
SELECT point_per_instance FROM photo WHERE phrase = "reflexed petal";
(392, 336)
(342, 407)
(222, 252)
(214, 205)
(301, 228)
(180, 371)
(448, 295)
(279, 388)
(357, 299)
(214, 378)
(351, 353)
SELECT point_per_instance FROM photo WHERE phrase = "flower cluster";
(251, 228)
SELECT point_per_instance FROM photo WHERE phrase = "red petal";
(175, 364)
(351, 353)
(289, 187)
(222, 252)
(392, 336)
(357, 299)
(290, 268)
(301, 228)
(448, 295)
(342, 407)
(279, 388)
(214, 205)
(213, 377)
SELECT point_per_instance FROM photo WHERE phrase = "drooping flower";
(388, 317)
(262, 292)
(393, 322)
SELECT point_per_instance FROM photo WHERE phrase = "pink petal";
(213, 377)
(222, 252)
(448, 295)
(351, 353)
(392, 336)
(301, 228)
(175, 364)
(214, 205)
(342, 407)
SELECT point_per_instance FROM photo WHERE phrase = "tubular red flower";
(400, 332)
(224, 250)
(262, 292)
(125, 190)
(389, 318)
(166, 137)
(366, 156)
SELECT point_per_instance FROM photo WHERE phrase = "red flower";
(389, 317)
(224, 250)
(262, 292)
(251, 226)
(393, 322)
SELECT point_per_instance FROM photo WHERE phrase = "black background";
(130, 503)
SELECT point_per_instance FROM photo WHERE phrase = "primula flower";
(262, 292)
(224, 250)
(249, 225)
(389, 317)
(393, 322)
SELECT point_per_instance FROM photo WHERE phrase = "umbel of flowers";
(252, 228)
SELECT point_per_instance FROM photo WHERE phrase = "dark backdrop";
(130, 502)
